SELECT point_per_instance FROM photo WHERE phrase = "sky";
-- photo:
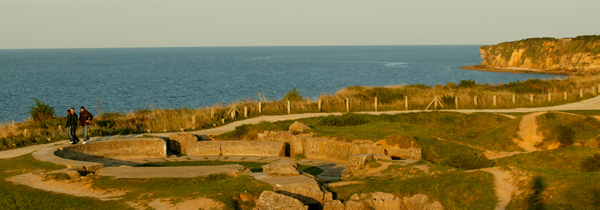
(26, 24)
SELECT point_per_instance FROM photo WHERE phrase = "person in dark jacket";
(85, 117)
(73, 126)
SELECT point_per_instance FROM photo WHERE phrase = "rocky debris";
(282, 168)
(179, 141)
(308, 191)
(246, 197)
(333, 205)
(385, 201)
(269, 200)
(354, 205)
(381, 157)
(388, 201)
(420, 202)
(358, 162)
(400, 146)
(298, 127)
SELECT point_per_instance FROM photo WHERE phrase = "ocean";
(125, 79)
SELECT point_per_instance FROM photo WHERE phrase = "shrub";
(447, 100)
(384, 95)
(468, 161)
(348, 119)
(419, 86)
(451, 85)
(566, 135)
(293, 95)
(466, 83)
(41, 112)
(591, 164)
(537, 86)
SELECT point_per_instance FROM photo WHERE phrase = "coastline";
(514, 70)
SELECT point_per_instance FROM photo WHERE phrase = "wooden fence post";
(193, 122)
(580, 93)
(375, 103)
(245, 111)
(223, 121)
(406, 103)
(549, 96)
(347, 104)
(531, 98)
(494, 100)
(320, 105)
(13, 126)
(212, 112)
(259, 107)
(514, 99)
(289, 109)
(456, 102)
(99, 111)
(475, 100)
(565, 95)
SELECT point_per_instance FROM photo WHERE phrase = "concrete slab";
(168, 172)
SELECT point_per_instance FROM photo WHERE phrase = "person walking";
(85, 117)
(68, 126)
(73, 126)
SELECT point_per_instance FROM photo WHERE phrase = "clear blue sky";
(183, 23)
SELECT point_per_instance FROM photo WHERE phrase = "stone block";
(421, 202)
(307, 191)
(282, 168)
(298, 127)
(404, 153)
(381, 157)
(269, 200)
(254, 148)
(354, 205)
(324, 149)
(386, 201)
(204, 148)
(179, 141)
(332, 205)
(372, 150)
(121, 149)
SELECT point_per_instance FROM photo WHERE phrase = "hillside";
(547, 55)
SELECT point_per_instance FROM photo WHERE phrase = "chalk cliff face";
(569, 55)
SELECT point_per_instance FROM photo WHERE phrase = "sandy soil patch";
(505, 186)
(165, 204)
(528, 133)
(79, 188)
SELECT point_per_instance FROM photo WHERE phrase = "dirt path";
(504, 184)
(74, 188)
(528, 133)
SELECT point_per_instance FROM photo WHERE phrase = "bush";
(566, 135)
(41, 112)
(348, 119)
(447, 100)
(466, 83)
(591, 164)
(536, 86)
(468, 161)
(293, 95)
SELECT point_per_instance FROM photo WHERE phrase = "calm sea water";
(134, 78)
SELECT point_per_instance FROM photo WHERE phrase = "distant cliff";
(548, 55)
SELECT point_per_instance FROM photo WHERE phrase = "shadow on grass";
(535, 200)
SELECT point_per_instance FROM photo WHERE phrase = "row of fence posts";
(233, 111)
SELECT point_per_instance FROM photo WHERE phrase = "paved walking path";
(589, 104)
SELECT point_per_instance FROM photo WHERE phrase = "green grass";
(22, 197)
(565, 159)
(584, 112)
(455, 190)
(220, 187)
(585, 127)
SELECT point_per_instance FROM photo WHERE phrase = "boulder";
(307, 191)
(421, 202)
(386, 201)
(404, 153)
(179, 141)
(269, 200)
(381, 157)
(332, 205)
(354, 205)
(282, 168)
(298, 127)
(359, 161)
(325, 149)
